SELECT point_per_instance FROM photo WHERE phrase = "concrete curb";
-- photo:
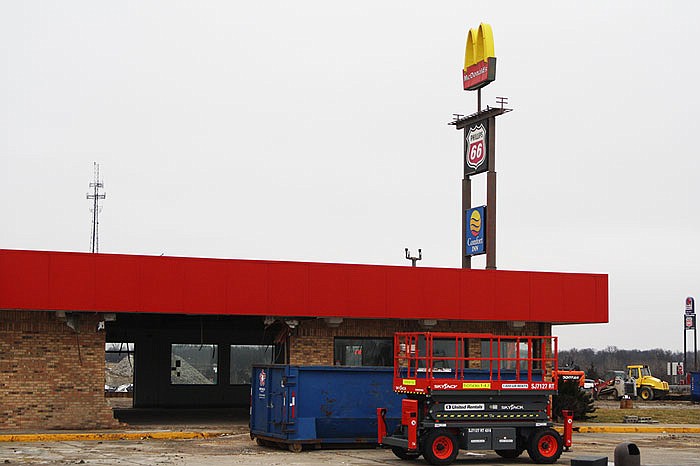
(636, 429)
(632, 429)
(164, 435)
(92, 436)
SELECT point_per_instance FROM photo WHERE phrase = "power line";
(96, 185)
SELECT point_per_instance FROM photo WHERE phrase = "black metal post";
(685, 351)
(695, 332)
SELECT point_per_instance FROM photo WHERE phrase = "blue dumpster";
(695, 386)
(296, 405)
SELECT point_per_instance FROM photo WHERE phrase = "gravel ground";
(238, 449)
(654, 404)
(656, 449)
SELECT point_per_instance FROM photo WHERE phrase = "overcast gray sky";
(317, 131)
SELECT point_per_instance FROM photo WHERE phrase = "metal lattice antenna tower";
(96, 185)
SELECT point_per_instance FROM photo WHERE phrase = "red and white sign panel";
(476, 148)
(689, 305)
(690, 322)
(479, 74)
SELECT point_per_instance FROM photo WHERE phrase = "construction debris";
(639, 420)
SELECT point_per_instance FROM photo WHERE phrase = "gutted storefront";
(192, 327)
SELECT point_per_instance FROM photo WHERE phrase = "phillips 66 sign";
(476, 148)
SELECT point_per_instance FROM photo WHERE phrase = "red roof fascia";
(48, 280)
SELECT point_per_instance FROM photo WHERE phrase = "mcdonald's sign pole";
(479, 148)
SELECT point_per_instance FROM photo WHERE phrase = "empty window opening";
(193, 364)
(242, 359)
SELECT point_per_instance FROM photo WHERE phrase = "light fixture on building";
(269, 320)
(427, 323)
(291, 323)
(109, 317)
(333, 322)
(61, 315)
(72, 320)
(516, 324)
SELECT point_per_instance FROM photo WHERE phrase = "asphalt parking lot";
(238, 449)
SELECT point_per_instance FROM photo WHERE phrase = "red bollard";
(568, 428)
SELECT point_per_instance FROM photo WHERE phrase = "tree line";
(596, 362)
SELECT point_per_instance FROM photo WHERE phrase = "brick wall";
(311, 343)
(51, 377)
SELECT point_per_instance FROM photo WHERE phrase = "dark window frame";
(381, 355)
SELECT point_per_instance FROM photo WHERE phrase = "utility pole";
(96, 185)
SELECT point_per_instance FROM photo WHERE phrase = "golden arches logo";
(479, 58)
(479, 45)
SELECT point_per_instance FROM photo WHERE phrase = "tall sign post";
(479, 224)
(690, 323)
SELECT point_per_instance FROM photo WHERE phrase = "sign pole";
(466, 205)
(491, 198)
(690, 323)
(479, 148)
(479, 157)
(685, 351)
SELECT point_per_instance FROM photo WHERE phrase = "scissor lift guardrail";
(474, 391)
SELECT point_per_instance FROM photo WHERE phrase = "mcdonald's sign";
(479, 58)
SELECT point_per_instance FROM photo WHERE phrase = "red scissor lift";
(473, 391)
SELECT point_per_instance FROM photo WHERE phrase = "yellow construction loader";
(648, 386)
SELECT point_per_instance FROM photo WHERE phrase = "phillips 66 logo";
(476, 148)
